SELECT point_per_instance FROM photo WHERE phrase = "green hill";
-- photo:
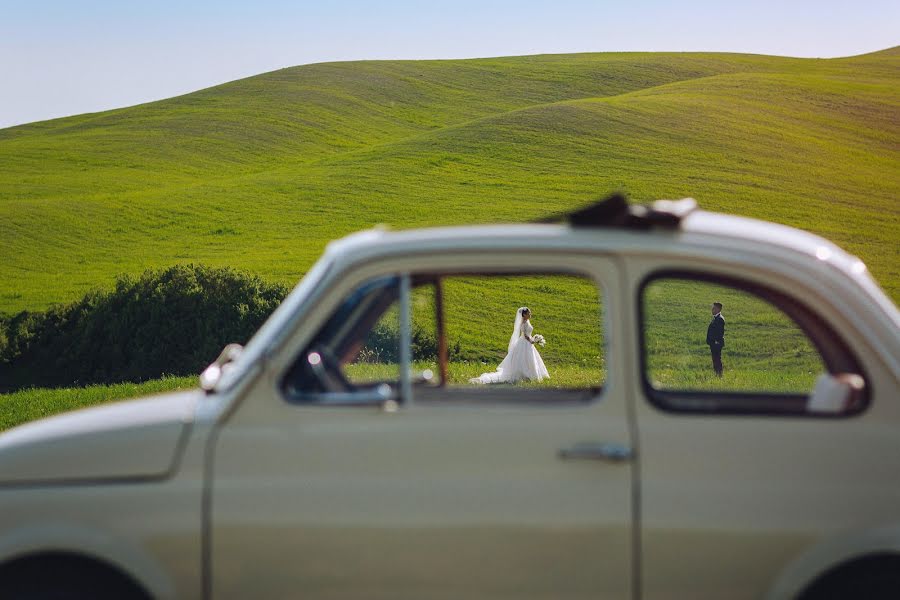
(260, 173)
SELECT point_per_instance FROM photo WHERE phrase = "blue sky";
(60, 58)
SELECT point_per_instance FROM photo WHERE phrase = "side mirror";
(420, 377)
(211, 374)
(836, 393)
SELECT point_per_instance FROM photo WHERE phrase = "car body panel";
(834, 552)
(132, 440)
(150, 529)
(430, 501)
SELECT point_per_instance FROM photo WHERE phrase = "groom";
(715, 337)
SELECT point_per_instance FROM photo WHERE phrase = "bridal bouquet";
(539, 340)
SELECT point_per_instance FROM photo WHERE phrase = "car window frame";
(837, 356)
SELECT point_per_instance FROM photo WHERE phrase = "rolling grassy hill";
(260, 173)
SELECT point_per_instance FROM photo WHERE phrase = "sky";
(60, 58)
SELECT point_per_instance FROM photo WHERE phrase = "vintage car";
(338, 455)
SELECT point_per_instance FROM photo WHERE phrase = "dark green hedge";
(172, 321)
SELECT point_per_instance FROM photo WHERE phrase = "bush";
(383, 345)
(172, 321)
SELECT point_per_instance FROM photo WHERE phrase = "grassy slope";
(28, 405)
(262, 172)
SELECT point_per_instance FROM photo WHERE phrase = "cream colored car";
(317, 463)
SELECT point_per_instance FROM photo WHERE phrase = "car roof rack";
(615, 212)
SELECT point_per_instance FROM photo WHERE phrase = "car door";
(511, 491)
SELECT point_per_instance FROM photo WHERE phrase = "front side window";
(474, 335)
(534, 331)
(719, 345)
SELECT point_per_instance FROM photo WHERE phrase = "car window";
(731, 346)
(556, 345)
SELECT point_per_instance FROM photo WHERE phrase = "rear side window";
(722, 346)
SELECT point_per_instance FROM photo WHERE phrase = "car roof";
(700, 228)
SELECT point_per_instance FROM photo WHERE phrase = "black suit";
(715, 338)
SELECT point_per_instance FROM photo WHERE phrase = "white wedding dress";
(522, 359)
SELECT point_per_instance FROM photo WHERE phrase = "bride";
(522, 359)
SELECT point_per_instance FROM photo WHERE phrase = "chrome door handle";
(608, 451)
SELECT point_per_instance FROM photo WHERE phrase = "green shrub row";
(172, 321)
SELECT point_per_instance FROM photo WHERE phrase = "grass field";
(261, 173)
(28, 405)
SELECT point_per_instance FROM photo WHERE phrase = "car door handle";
(608, 451)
